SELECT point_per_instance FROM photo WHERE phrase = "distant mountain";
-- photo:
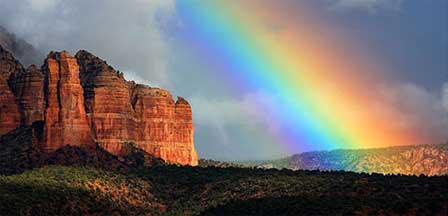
(21, 49)
(410, 160)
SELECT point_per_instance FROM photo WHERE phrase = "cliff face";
(164, 127)
(108, 102)
(82, 100)
(65, 117)
(29, 89)
(9, 111)
(120, 111)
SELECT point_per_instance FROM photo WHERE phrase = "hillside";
(19, 152)
(176, 190)
(411, 160)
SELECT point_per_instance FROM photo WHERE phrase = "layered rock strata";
(82, 100)
(29, 89)
(9, 111)
(65, 116)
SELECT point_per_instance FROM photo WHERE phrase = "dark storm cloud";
(128, 34)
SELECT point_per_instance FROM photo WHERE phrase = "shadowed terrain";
(182, 190)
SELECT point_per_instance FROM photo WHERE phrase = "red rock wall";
(108, 102)
(65, 116)
(185, 130)
(165, 127)
(30, 94)
(83, 100)
(9, 110)
(120, 111)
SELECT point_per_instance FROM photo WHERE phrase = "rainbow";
(320, 82)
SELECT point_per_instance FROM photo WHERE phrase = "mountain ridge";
(409, 160)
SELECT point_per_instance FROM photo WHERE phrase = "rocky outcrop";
(108, 102)
(165, 127)
(9, 111)
(120, 111)
(82, 100)
(185, 130)
(29, 89)
(65, 116)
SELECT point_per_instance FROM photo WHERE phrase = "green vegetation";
(57, 190)
(95, 182)
(177, 190)
(222, 164)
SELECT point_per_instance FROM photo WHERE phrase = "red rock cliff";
(165, 127)
(120, 111)
(83, 100)
(29, 88)
(9, 110)
(65, 116)
(108, 103)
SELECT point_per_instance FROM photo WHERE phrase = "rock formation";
(82, 100)
(165, 127)
(9, 111)
(108, 102)
(120, 111)
(65, 116)
(29, 89)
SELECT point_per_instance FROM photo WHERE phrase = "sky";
(387, 57)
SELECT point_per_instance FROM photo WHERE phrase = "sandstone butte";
(82, 100)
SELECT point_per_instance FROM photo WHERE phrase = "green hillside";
(174, 190)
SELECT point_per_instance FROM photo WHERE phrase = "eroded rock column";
(65, 116)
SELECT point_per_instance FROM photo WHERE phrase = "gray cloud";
(241, 128)
(371, 6)
(129, 34)
(415, 109)
(232, 111)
